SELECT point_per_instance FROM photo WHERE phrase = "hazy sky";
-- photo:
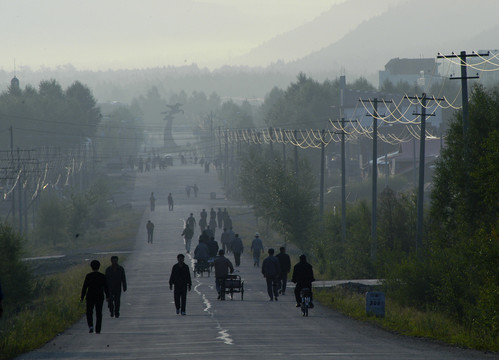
(103, 34)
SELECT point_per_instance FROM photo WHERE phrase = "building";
(411, 71)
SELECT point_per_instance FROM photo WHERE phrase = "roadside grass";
(406, 320)
(56, 305)
(56, 308)
(119, 234)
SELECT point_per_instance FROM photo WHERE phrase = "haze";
(114, 34)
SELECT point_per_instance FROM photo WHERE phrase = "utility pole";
(343, 86)
(422, 140)
(374, 175)
(296, 155)
(13, 194)
(464, 83)
(226, 165)
(343, 183)
(212, 138)
(321, 194)
(284, 155)
(20, 188)
(343, 189)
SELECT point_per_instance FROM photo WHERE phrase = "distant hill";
(324, 30)
(412, 29)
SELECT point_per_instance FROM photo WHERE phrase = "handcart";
(234, 284)
(200, 267)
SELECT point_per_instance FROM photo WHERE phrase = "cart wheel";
(232, 294)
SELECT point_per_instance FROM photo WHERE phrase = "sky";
(119, 34)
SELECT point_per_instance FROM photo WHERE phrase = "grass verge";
(56, 308)
(56, 303)
(406, 320)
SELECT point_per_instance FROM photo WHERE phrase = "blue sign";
(375, 303)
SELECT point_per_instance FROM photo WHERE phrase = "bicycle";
(306, 301)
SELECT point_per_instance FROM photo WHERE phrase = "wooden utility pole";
(321, 194)
(374, 200)
(464, 83)
(422, 139)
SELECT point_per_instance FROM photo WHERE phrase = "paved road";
(250, 329)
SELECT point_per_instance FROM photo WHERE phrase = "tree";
(236, 116)
(277, 194)
(305, 104)
(461, 202)
(52, 220)
(121, 133)
(396, 222)
(85, 114)
(362, 84)
(50, 116)
(458, 271)
(17, 280)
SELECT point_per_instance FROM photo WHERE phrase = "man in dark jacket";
(222, 268)
(271, 270)
(303, 276)
(212, 247)
(285, 263)
(181, 278)
(150, 231)
(94, 289)
(236, 245)
(116, 279)
(188, 233)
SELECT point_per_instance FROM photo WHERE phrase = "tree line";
(455, 273)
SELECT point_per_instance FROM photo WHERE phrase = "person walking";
(116, 280)
(188, 191)
(204, 215)
(285, 263)
(196, 189)
(230, 235)
(191, 222)
(213, 225)
(94, 290)
(150, 231)
(237, 248)
(257, 248)
(270, 271)
(188, 233)
(228, 222)
(225, 240)
(181, 279)
(303, 276)
(212, 247)
(170, 202)
(152, 201)
(222, 268)
(201, 253)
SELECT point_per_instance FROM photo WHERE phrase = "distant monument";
(168, 141)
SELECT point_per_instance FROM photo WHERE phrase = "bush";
(15, 275)
(52, 219)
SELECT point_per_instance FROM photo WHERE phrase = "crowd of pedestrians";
(99, 287)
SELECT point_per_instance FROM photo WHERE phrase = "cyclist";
(303, 276)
